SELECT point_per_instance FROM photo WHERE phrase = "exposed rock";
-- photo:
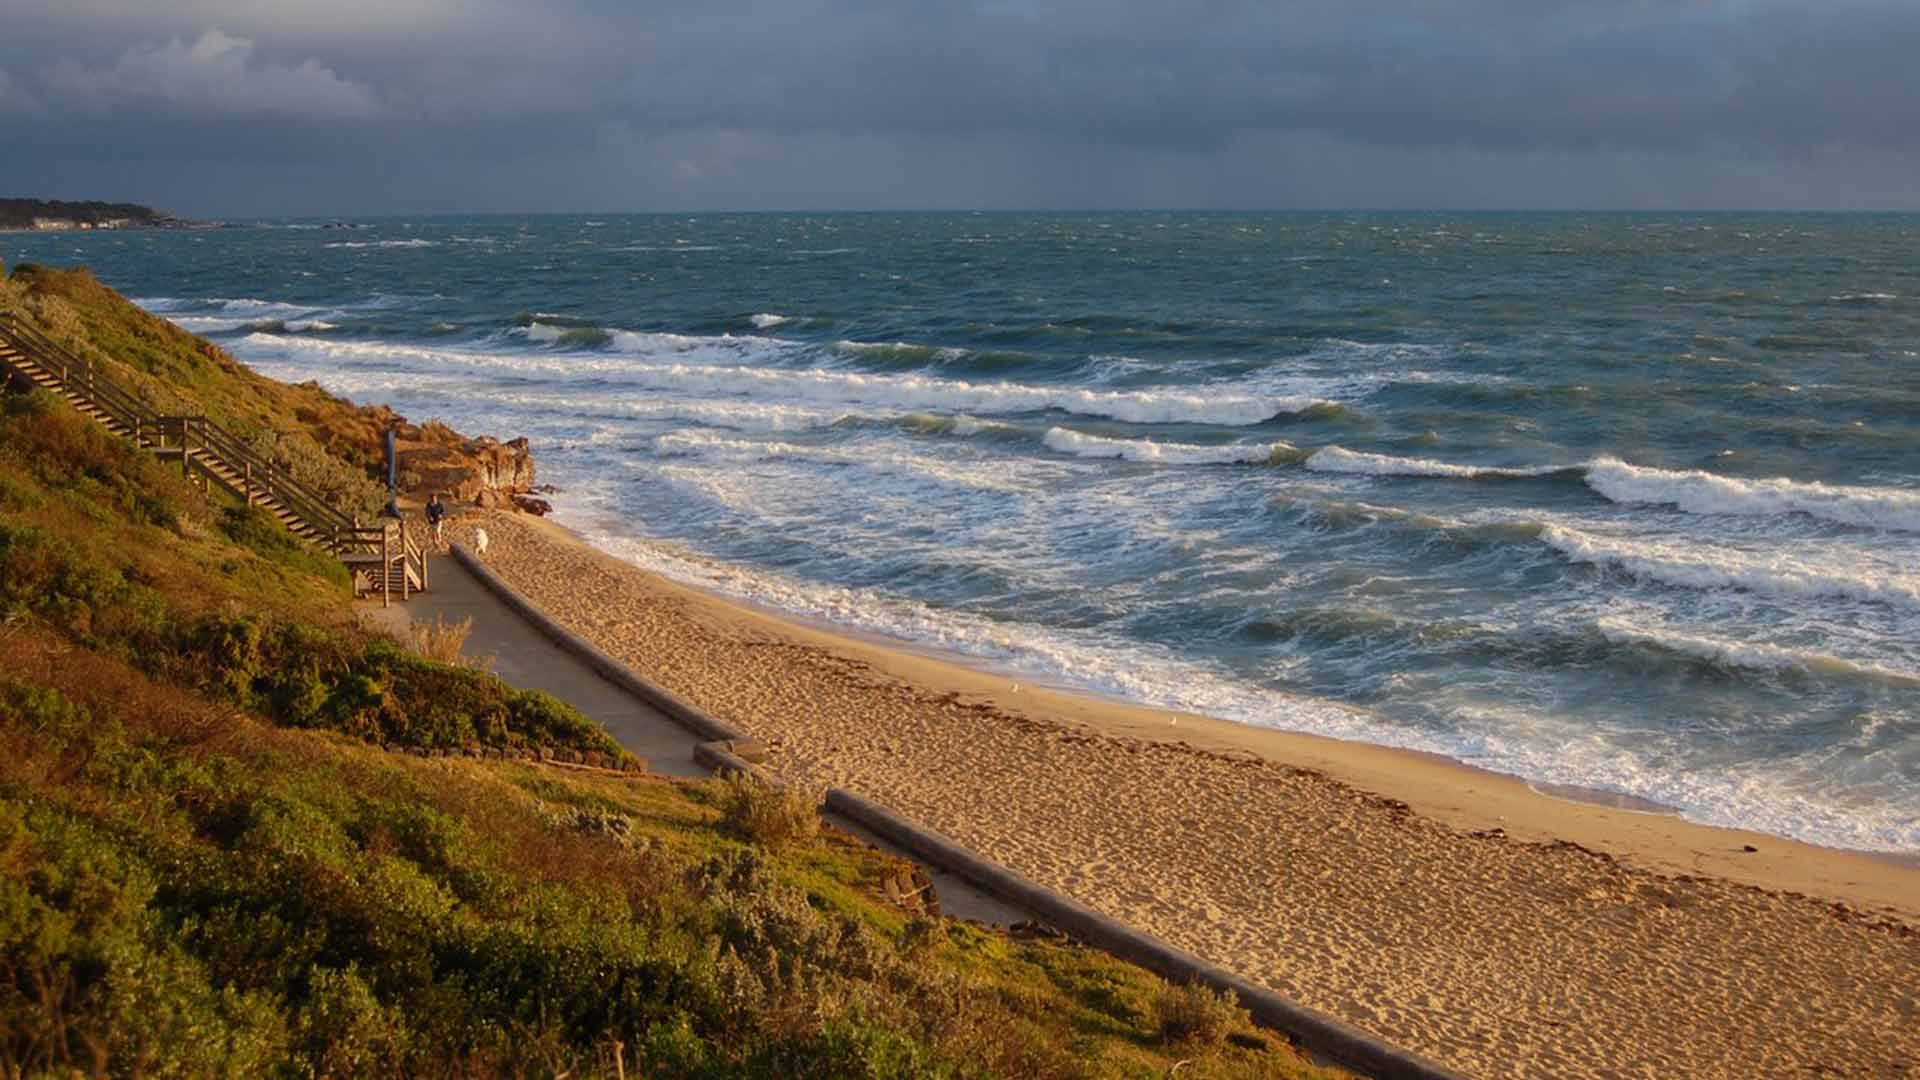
(531, 505)
(434, 457)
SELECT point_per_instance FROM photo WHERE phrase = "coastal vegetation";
(241, 833)
(56, 214)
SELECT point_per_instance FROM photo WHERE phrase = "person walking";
(436, 516)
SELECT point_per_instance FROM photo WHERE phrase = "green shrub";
(769, 816)
(1194, 1014)
(226, 652)
(43, 573)
(252, 527)
(341, 484)
(68, 451)
(346, 1031)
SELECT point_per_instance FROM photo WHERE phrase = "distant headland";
(55, 215)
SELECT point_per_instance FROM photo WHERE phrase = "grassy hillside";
(242, 834)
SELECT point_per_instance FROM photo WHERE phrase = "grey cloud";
(14, 97)
(215, 73)
(487, 104)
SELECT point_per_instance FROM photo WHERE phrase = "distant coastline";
(57, 215)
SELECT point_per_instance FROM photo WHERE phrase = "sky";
(238, 108)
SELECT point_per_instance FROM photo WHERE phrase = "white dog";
(480, 542)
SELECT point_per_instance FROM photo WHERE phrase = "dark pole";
(393, 477)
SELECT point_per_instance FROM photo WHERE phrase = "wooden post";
(405, 585)
(386, 572)
(246, 474)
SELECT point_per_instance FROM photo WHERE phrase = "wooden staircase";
(212, 455)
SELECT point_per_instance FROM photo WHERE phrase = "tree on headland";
(58, 214)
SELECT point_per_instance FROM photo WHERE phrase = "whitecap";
(1749, 654)
(901, 393)
(415, 243)
(1338, 459)
(1081, 444)
(1693, 567)
(1700, 492)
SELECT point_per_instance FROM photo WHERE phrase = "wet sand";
(1456, 912)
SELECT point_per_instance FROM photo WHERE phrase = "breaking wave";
(1694, 491)
(1690, 567)
(1165, 453)
(383, 244)
(978, 476)
(1338, 459)
(724, 348)
(1704, 493)
(1749, 654)
(906, 393)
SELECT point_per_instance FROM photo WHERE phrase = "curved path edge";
(1311, 1029)
(678, 709)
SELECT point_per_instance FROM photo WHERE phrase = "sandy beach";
(1459, 913)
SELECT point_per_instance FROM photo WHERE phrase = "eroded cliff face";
(481, 470)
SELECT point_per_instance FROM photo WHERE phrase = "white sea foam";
(722, 348)
(1137, 672)
(1704, 493)
(1338, 459)
(892, 392)
(720, 446)
(548, 333)
(909, 392)
(1523, 742)
(414, 243)
(967, 475)
(900, 348)
(1081, 444)
(208, 324)
(246, 308)
(1690, 566)
(163, 305)
(767, 320)
(747, 416)
(1750, 654)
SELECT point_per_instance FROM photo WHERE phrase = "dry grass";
(443, 641)
(1196, 1015)
(768, 816)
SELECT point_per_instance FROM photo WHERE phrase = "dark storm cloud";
(412, 104)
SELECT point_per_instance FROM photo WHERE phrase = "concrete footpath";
(529, 659)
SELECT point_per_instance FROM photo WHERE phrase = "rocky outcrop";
(482, 470)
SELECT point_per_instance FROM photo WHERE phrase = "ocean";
(1628, 502)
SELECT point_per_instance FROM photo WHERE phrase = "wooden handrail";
(71, 370)
(197, 437)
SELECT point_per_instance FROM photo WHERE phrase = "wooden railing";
(203, 444)
(84, 376)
